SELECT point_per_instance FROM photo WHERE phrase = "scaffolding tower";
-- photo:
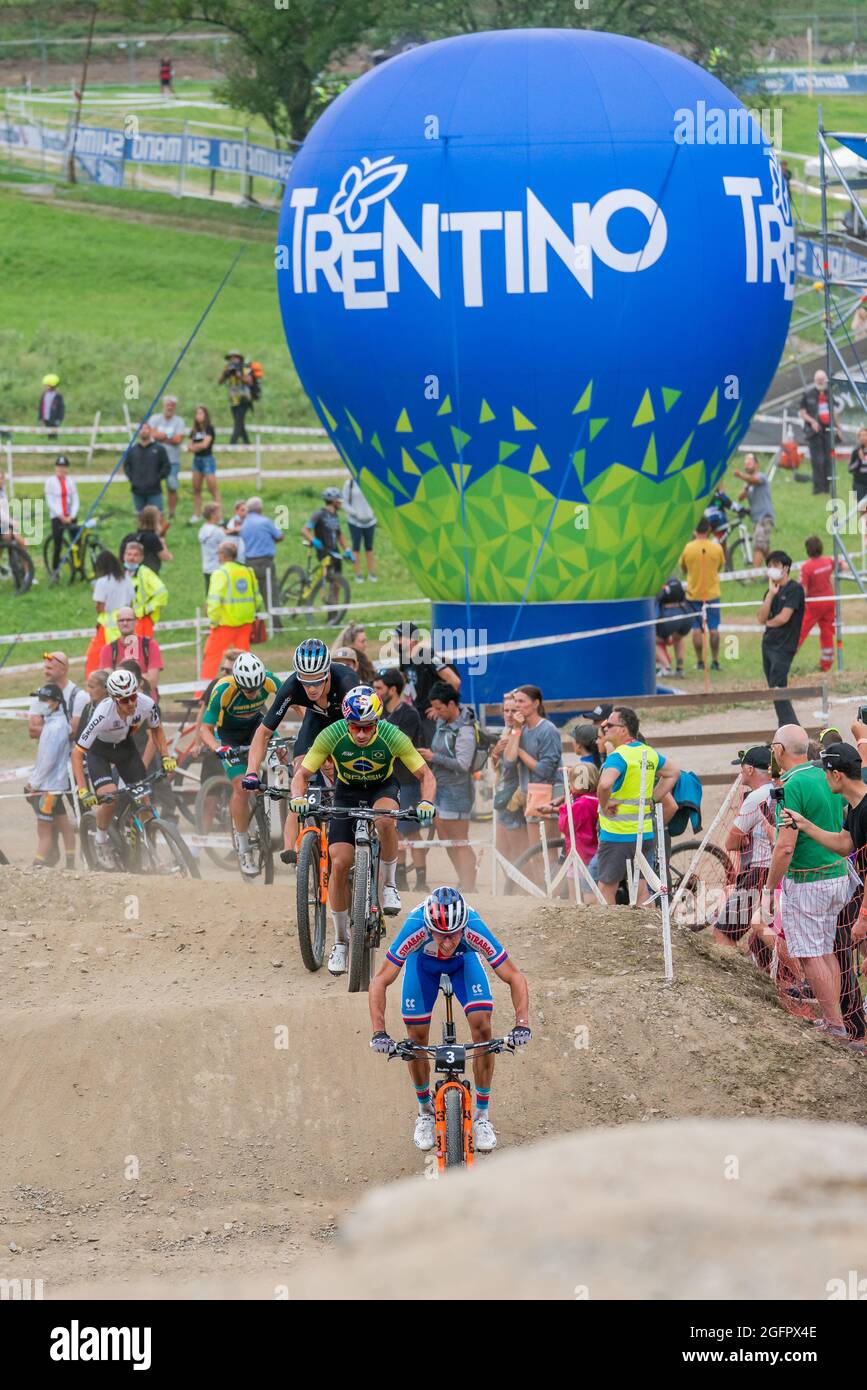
(836, 330)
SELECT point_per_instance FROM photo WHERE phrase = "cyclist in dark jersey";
(315, 691)
(363, 748)
(324, 531)
(233, 715)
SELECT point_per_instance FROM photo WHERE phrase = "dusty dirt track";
(146, 1044)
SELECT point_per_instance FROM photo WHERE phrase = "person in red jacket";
(817, 577)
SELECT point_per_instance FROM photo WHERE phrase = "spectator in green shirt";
(814, 880)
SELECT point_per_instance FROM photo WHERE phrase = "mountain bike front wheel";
(166, 851)
(260, 843)
(453, 1102)
(311, 911)
(358, 917)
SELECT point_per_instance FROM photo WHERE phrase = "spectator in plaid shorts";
(751, 839)
(842, 767)
(813, 879)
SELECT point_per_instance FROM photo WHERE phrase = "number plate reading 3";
(450, 1059)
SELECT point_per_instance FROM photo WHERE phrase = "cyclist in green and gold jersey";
(235, 711)
(363, 747)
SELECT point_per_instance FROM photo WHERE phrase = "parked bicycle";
(453, 1096)
(139, 842)
(16, 566)
(733, 534)
(320, 585)
(78, 552)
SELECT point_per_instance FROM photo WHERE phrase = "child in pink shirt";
(584, 810)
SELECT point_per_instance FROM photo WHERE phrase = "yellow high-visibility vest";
(233, 594)
(151, 594)
(628, 795)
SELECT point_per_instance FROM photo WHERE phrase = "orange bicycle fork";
(322, 833)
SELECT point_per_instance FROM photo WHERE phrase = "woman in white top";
(112, 589)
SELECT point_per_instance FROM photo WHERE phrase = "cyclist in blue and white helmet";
(317, 687)
(312, 660)
(445, 936)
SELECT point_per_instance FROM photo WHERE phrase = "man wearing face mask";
(781, 615)
(151, 594)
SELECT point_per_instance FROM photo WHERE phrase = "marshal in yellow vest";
(624, 824)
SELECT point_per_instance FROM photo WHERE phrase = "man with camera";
(813, 878)
(821, 430)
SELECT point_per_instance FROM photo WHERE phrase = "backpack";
(790, 455)
(484, 743)
(257, 372)
(145, 652)
(687, 792)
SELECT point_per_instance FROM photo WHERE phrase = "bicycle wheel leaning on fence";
(16, 567)
(705, 885)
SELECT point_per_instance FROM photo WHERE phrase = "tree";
(279, 51)
(720, 35)
(277, 65)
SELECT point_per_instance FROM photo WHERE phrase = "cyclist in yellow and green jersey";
(235, 711)
(363, 747)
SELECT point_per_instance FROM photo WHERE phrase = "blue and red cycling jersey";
(415, 936)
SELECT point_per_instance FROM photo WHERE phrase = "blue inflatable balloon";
(536, 282)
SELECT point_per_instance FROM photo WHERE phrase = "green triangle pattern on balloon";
(447, 519)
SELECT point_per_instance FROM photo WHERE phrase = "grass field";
(104, 300)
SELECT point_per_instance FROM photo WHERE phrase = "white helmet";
(248, 671)
(121, 683)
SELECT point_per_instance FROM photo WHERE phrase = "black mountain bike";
(78, 552)
(320, 586)
(138, 841)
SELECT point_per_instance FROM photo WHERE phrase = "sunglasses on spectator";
(742, 752)
(610, 725)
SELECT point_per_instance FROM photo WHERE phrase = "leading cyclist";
(444, 936)
(363, 747)
(234, 713)
(107, 749)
